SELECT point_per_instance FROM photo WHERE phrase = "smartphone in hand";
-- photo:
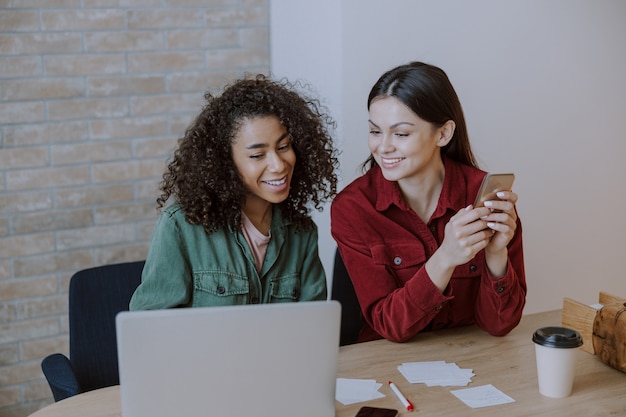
(492, 183)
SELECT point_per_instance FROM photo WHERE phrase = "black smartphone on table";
(376, 412)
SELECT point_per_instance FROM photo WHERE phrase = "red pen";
(405, 402)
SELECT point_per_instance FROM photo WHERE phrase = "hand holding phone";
(492, 183)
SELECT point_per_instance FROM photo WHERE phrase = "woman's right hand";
(466, 234)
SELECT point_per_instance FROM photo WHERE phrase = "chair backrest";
(96, 295)
(343, 291)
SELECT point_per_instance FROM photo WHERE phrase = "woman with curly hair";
(241, 184)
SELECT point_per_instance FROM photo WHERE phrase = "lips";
(276, 183)
(391, 161)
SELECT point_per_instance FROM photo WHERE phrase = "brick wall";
(93, 95)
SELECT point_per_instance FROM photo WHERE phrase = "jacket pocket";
(216, 288)
(285, 288)
(402, 259)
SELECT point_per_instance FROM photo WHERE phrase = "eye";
(257, 156)
(401, 135)
(374, 132)
(285, 145)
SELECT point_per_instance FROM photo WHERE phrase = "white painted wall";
(543, 88)
(306, 44)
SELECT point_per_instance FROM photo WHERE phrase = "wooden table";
(507, 362)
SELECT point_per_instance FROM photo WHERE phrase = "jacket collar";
(453, 194)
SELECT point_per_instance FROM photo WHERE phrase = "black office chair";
(96, 295)
(343, 291)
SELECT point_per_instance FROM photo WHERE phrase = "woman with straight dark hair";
(420, 256)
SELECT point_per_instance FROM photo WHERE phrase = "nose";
(275, 162)
(386, 144)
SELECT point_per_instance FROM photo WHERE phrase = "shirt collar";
(453, 194)
(388, 192)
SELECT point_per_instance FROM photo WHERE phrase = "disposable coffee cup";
(555, 350)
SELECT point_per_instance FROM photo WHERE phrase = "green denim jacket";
(186, 267)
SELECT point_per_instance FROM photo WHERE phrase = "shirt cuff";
(424, 293)
(499, 285)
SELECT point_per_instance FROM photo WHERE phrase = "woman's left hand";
(502, 221)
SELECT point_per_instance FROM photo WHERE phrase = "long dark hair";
(202, 177)
(427, 91)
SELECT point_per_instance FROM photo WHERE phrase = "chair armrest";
(60, 375)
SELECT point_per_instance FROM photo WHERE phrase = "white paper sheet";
(482, 396)
(436, 373)
(350, 391)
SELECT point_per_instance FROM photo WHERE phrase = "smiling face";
(264, 156)
(403, 144)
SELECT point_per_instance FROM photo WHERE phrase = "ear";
(446, 131)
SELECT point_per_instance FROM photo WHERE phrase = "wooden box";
(580, 317)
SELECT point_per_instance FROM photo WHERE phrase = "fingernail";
(500, 194)
(491, 224)
(488, 203)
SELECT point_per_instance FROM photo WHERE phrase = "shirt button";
(439, 307)
(221, 290)
(432, 228)
(500, 288)
(473, 267)
(255, 300)
(397, 260)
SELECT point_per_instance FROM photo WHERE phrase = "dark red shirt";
(385, 245)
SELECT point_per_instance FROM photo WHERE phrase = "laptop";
(265, 360)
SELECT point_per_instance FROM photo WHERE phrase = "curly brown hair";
(202, 177)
